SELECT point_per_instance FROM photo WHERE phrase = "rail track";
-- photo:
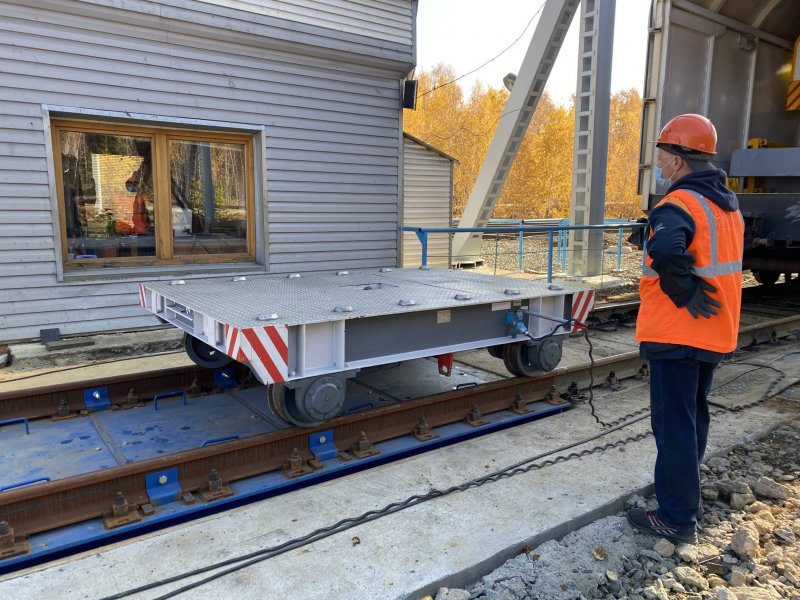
(155, 490)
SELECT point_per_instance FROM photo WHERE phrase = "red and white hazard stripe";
(265, 348)
(582, 303)
(142, 296)
(233, 347)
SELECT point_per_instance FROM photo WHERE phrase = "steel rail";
(49, 505)
(38, 402)
(58, 503)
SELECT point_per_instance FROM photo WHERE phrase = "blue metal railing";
(562, 230)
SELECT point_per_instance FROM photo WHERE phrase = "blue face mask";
(660, 179)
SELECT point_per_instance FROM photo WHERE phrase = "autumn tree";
(539, 182)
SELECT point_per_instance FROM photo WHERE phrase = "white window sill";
(161, 272)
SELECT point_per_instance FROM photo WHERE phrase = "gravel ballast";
(748, 542)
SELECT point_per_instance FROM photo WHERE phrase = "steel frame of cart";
(307, 333)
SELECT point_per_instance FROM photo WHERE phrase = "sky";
(467, 33)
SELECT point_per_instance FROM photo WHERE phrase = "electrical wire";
(433, 89)
(517, 468)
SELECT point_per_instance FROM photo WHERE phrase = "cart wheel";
(495, 351)
(309, 406)
(510, 351)
(766, 277)
(204, 355)
(525, 360)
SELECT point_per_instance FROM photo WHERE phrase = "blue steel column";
(590, 153)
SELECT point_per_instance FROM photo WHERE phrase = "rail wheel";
(310, 405)
(766, 277)
(527, 360)
(495, 351)
(204, 355)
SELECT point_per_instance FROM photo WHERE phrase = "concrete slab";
(449, 541)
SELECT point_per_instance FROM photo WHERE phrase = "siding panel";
(331, 117)
(427, 193)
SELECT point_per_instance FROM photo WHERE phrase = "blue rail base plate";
(91, 534)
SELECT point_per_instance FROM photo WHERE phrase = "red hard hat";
(690, 131)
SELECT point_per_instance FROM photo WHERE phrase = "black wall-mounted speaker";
(410, 94)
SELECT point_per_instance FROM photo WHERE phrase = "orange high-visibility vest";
(717, 248)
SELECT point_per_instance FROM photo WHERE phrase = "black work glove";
(637, 237)
(701, 304)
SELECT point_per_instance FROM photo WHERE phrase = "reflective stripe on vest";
(716, 268)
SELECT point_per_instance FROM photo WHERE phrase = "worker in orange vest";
(139, 182)
(688, 320)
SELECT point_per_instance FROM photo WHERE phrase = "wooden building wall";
(320, 87)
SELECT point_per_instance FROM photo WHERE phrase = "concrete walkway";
(450, 541)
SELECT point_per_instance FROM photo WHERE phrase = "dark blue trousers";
(679, 417)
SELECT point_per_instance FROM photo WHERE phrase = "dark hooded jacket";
(674, 231)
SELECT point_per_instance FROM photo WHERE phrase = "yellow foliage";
(538, 185)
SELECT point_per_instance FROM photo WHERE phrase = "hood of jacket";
(710, 182)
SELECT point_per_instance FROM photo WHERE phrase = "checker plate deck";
(312, 297)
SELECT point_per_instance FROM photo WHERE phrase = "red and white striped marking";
(142, 296)
(265, 348)
(582, 303)
(233, 346)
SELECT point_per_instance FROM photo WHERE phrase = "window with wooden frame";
(134, 196)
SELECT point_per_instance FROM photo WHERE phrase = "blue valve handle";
(515, 323)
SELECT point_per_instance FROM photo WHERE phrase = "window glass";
(209, 197)
(107, 195)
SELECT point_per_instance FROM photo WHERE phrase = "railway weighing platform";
(448, 541)
(173, 423)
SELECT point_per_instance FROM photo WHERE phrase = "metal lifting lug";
(64, 411)
(475, 418)
(644, 372)
(121, 513)
(296, 465)
(553, 397)
(217, 489)
(9, 544)
(519, 405)
(445, 363)
(423, 431)
(362, 448)
(612, 381)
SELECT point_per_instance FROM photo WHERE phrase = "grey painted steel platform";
(300, 326)
(312, 297)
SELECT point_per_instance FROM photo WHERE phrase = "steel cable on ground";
(518, 468)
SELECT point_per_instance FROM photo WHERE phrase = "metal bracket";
(475, 418)
(612, 382)
(363, 448)
(9, 544)
(553, 397)
(163, 487)
(445, 363)
(96, 399)
(519, 405)
(217, 489)
(121, 513)
(423, 431)
(296, 465)
(322, 446)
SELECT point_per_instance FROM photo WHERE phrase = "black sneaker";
(647, 521)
